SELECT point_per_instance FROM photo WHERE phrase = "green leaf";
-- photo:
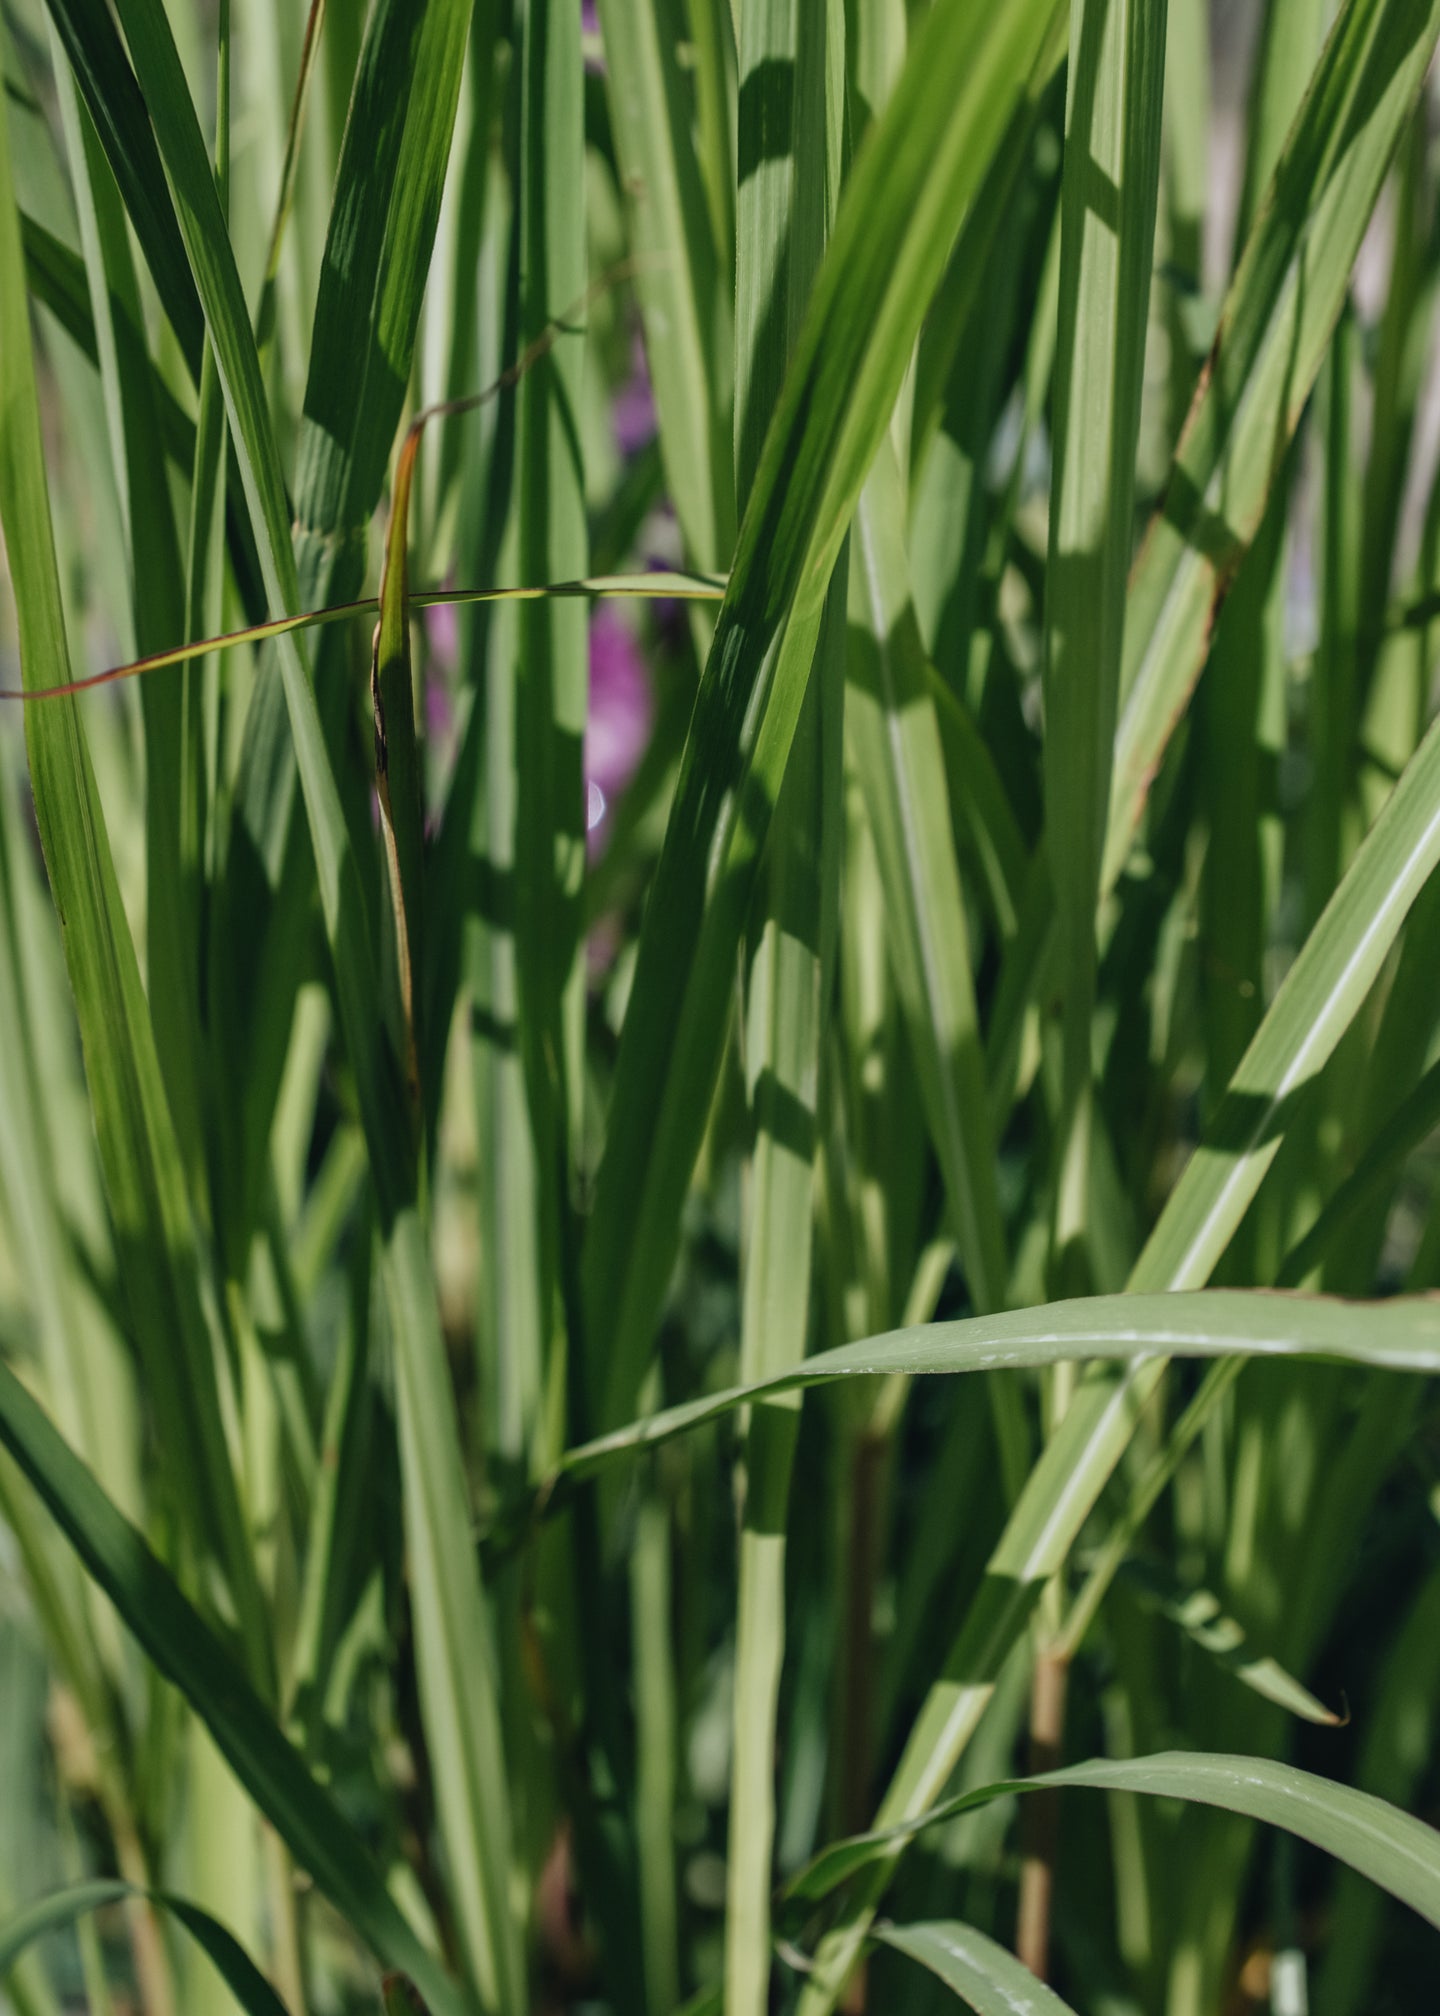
(784, 214)
(551, 665)
(1393, 1849)
(377, 251)
(56, 277)
(208, 245)
(1274, 331)
(239, 1972)
(455, 1655)
(457, 1682)
(1202, 1617)
(117, 105)
(1398, 1335)
(894, 738)
(398, 785)
(1412, 1121)
(684, 299)
(285, 198)
(1322, 991)
(1394, 1751)
(1107, 233)
(987, 833)
(157, 595)
(1320, 996)
(185, 1651)
(983, 1974)
(372, 279)
(912, 184)
(144, 1176)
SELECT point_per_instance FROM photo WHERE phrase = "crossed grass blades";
(904, 872)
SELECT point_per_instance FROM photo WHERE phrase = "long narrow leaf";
(1274, 331)
(117, 105)
(782, 221)
(983, 1974)
(1107, 231)
(684, 300)
(894, 735)
(917, 173)
(184, 1650)
(1392, 1848)
(143, 1171)
(239, 1972)
(1398, 1335)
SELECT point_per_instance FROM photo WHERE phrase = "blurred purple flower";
(442, 634)
(664, 554)
(633, 408)
(442, 642)
(590, 28)
(602, 946)
(439, 708)
(622, 712)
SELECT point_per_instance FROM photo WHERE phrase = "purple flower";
(590, 30)
(439, 709)
(633, 409)
(664, 554)
(622, 712)
(442, 634)
(442, 655)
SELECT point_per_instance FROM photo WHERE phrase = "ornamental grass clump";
(719, 827)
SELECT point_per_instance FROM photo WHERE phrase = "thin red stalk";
(675, 587)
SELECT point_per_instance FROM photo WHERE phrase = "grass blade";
(1320, 996)
(910, 188)
(399, 787)
(1201, 1616)
(1112, 144)
(551, 688)
(1396, 1742)
(1399, 1335)
(144, 1175)
(894, 738)
(157, 593)
(783, 219)
(1322, 992)
(239, 1972)
(183, 1648)
(683, 297)
(1274, 331)
(457, 1680)
(382, 222)
(117, 106)
(992, 1981)
(1395, 1851)
(56, 277)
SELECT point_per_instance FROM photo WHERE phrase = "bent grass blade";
(183, 1648)
(1395, 1850)
(239, 1972)
(982, 1973)
(1399, 1335)
(914, 180)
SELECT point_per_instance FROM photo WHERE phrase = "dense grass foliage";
(718, 835)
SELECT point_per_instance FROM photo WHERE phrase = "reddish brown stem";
(1042, 1813)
